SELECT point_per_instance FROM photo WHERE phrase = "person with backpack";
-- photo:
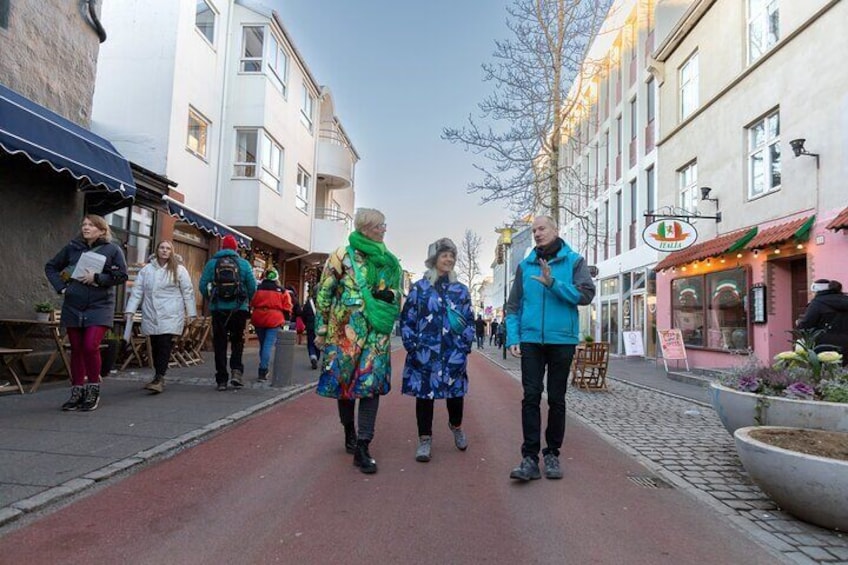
(228, 285)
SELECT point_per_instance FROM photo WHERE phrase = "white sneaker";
(459, 438)
(422, 454)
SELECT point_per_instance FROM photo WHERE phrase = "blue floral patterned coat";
(436, 354)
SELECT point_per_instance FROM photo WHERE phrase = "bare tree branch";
(467, 262)
(519, 133)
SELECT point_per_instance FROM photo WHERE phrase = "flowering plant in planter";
(800, 374)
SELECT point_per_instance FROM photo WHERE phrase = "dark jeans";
(228, 327)
(367, 415)
(310, 344)
(161, 347)
(535, 358)
(424, 413)
(480, 339)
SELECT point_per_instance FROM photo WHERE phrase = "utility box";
(284, 358)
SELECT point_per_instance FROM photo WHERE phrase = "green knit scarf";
(379, 261)
(381, 265)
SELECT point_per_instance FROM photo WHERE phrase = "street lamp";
(505, 239)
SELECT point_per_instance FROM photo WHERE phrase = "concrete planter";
(812, 488)
(738, 409)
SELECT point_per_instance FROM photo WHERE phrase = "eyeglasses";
(381, 226)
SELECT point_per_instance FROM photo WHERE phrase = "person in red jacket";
(271, 306)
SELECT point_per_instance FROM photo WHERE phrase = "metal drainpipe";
(224, 97)
(94, 21)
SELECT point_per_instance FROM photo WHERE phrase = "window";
(634, 202)
(763, 27)
(4, 14)
(278, 64)
(302, 196)
(272, 162)
(252, 43)
(689, 86)
(650, 189)
(764, 156)
(689, 187)
(204, 20)
(651, 91)
(251, 143)
(710, 311)
(133, 228)
(307, 108)
(633, 119)
(198, 129)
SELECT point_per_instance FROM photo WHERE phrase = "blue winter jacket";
(248, 282)
(548, 315)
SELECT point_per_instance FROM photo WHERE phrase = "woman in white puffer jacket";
(164, 290)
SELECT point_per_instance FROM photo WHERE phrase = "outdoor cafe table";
(21, 331)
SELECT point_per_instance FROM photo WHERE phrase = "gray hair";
(549, 219)
(432, 275)
(366, 218)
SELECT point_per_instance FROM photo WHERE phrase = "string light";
(683, 269)
(723, 259)
(709, 261)
(756, 252)
(739, 255)
(799, 246)
(777, 251)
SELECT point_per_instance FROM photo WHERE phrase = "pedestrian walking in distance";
(88, 309)
(307, 312)
(163, 289)
(480, 330)
(828, 310)
(493, 333)
(543, 329)
(437, 327)
(271, 307)
(228, 284)
(358, 302)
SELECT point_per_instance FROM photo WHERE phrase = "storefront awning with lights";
(840, 222)
(796, 230)
(726, 243)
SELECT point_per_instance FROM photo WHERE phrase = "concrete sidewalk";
(47, 455)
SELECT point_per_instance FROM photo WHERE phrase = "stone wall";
(50, 55)
(41, 213)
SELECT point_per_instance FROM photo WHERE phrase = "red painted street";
(279, 488)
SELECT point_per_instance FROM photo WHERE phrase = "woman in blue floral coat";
(437, 327)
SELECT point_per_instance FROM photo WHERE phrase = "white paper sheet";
(89, 262)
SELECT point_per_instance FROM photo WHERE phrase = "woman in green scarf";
(358, 301)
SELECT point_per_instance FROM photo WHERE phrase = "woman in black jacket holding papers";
(88, 310)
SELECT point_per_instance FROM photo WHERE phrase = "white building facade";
(214, 95)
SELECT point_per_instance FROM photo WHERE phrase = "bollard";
(283, 358)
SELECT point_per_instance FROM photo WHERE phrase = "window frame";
(280, 80)
(688, 79)
(262, 168)
(688, 187)
(302, 190)
(193, 113)
(307, 114)
(761, 17)
(709, 313)
(769, 146)
(211, 9)
(243, 59)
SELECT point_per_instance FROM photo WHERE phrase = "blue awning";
(203, 222)
(46, 137)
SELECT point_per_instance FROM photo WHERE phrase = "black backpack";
(226, 285)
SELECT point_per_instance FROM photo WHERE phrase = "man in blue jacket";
(228, 285)
(543, 329)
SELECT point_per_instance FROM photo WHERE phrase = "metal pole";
(506, 283)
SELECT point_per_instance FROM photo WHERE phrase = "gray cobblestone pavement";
(683, 441)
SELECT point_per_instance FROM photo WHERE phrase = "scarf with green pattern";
(379, 261)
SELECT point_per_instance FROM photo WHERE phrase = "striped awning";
(798, 229)
(722, 244)
(840, 222)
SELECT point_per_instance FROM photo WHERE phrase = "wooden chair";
(138, 349)
(9, 356)
(589, 368)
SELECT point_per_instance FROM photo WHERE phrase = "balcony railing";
(333, 136)
(333, 215)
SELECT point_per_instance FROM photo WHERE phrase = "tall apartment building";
(609, 175)
(752, 126)
(214, 95)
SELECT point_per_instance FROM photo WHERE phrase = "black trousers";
(367, 417)
(228, 327)
(424, 413)
(536, 358)
(160, 346)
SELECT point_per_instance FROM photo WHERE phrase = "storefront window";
(710, 311)
(134, 228)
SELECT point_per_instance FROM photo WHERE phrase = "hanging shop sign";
(669, 235)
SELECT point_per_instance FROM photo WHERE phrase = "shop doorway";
(798, 269)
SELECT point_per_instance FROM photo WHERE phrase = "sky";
(400, 71)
